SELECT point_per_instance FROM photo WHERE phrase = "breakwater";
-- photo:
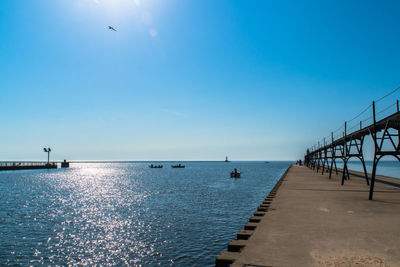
(26, 165)
(316, 221)
(226, 258)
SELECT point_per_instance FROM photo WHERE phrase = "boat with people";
(155, 166)
(178, 166)
(235, 173)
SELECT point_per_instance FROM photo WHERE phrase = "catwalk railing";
(348, 141)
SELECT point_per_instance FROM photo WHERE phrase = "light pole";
(47, 150)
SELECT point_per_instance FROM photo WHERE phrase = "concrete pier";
(315, 221)
(26, 165)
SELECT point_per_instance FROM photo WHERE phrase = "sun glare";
(117, 6)
(119, 12)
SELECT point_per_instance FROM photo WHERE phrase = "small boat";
(226, 159)
(235, 174)
(155, 166)
(267, 162)
(178, 166)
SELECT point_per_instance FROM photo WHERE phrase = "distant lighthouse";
(226, 159)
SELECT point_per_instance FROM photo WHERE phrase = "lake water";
(387, 168)
(127, 213)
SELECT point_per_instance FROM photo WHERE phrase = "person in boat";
(235, 171)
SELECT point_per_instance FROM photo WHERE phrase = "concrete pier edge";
(316, 221)
(226, 258)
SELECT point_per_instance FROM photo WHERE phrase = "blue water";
(127, 213)
(387, 168)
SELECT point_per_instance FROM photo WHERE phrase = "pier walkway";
(315, 221)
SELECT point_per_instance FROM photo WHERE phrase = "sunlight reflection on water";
(127, 214)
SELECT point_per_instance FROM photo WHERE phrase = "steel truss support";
(327, 155)
(354, 148)
(388, 137)
(333, 160)
(319, 158)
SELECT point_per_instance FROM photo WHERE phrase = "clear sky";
(188, 80)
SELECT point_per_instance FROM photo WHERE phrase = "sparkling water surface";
(128, 214)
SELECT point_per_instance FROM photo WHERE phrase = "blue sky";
(188, 80)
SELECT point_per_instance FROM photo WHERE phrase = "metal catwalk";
(349, 143)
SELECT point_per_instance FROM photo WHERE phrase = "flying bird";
(111, 28)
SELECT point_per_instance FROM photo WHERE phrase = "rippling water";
(127, 213)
